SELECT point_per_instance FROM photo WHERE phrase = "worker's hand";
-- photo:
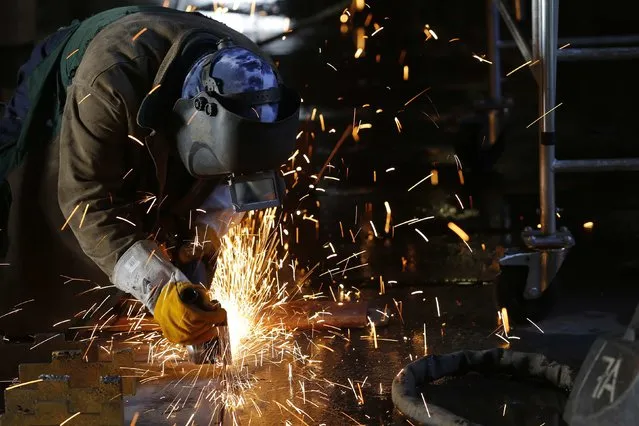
(187, 323)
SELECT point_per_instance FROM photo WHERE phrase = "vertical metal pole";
(545, 14)
(535, 31)
(492, 23)
(547, 99)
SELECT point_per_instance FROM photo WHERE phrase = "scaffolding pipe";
(547, 30)
(596, 165)
(546, 25)
(583, 41)
(495, 70)
(520, 42)
(598, 53)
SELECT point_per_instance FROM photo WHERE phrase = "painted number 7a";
(608, 380)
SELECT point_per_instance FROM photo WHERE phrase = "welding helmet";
(236, 120)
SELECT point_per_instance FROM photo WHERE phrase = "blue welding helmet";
(236, 120)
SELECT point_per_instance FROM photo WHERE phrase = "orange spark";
(142, 31)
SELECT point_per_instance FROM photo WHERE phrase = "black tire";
(509, 294)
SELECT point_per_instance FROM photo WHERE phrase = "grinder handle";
(191, 296)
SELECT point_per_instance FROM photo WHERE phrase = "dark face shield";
(213, 141)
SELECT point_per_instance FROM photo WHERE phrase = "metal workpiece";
(307, 314)
(215, 351)
(596, 165)
(207, 352)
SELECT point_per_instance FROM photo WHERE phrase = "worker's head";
(236, 120)
(236, 71)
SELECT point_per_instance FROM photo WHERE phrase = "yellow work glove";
(187, 323)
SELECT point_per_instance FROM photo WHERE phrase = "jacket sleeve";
(95, 155)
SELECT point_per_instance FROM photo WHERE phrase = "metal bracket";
(537, 240)
(542, 268)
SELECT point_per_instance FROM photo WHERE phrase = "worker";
(133, 141)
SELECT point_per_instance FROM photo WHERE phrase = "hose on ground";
(411, 402)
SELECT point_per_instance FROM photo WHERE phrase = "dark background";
(598, 118)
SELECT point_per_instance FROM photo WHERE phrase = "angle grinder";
(215, 349)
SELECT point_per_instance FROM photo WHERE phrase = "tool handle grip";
(192, 296)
